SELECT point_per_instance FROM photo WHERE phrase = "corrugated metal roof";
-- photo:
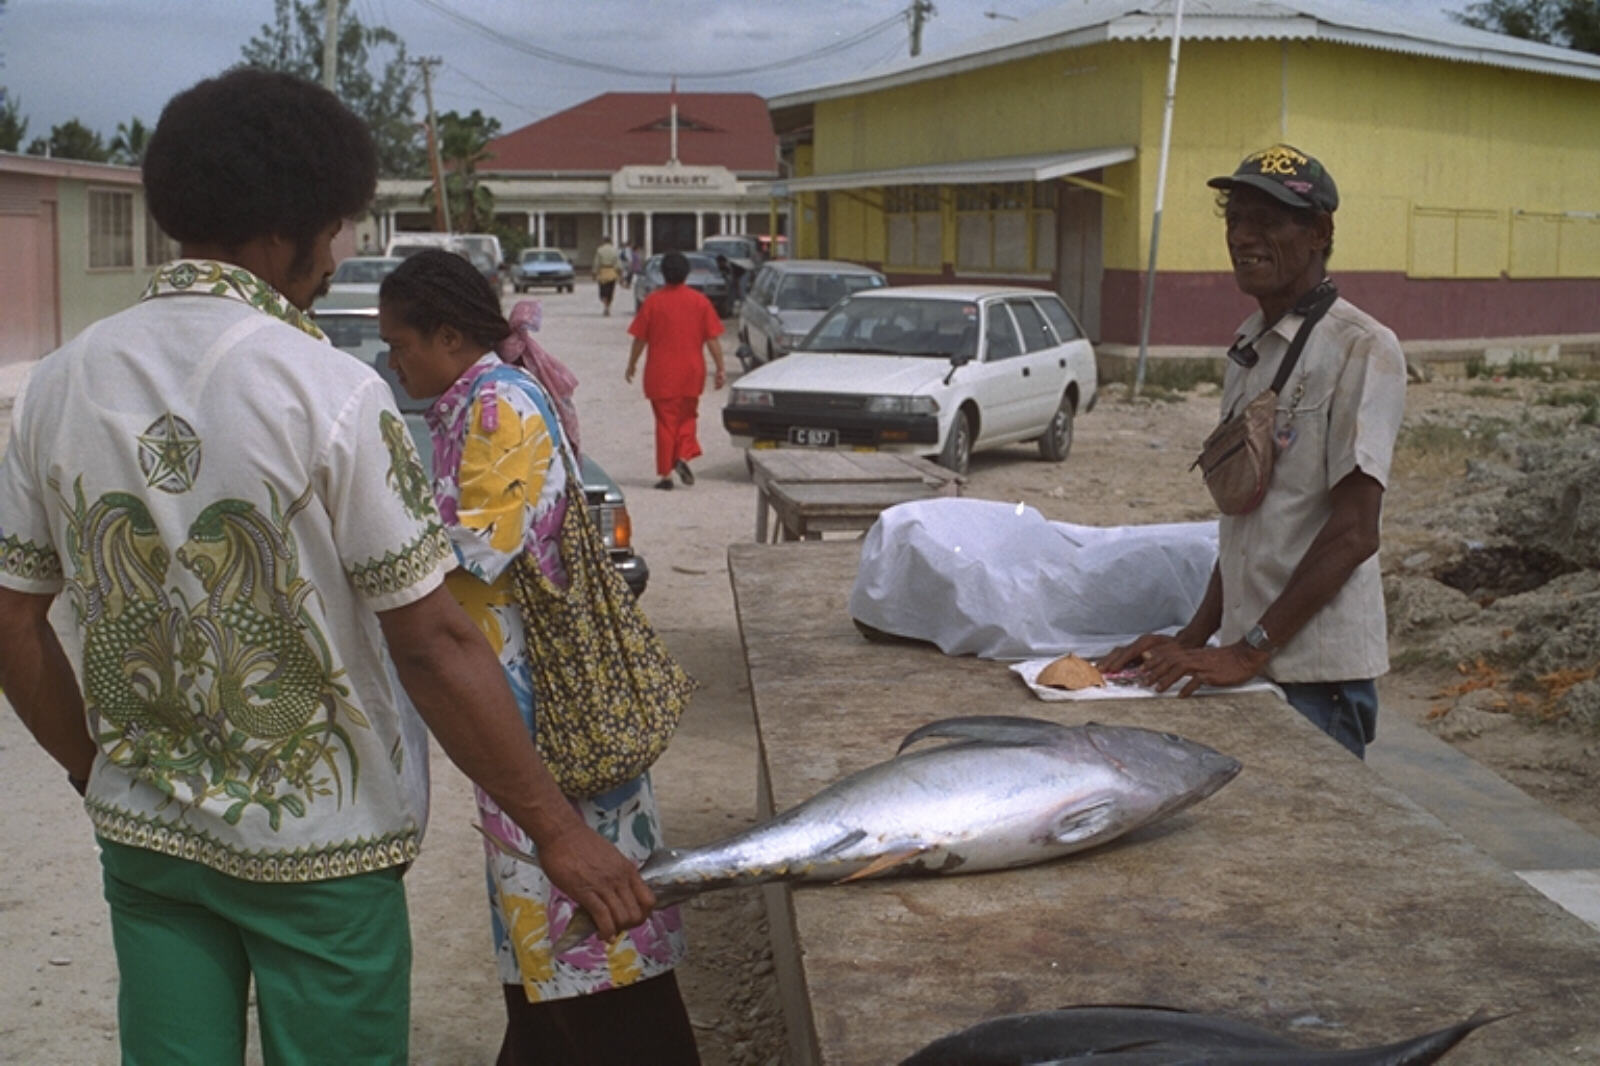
(970, 172)
(1357, 23)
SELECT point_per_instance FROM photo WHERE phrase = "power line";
(536, 51)
(464, 76)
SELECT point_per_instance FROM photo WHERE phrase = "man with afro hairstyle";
(241, 525)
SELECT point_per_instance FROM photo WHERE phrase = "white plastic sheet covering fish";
(1001, 581)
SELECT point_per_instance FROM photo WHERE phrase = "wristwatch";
(1257, 639)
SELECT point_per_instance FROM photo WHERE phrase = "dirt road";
(57, 980)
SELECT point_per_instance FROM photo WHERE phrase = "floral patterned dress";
(501, 489)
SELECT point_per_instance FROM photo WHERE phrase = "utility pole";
(330, 47)
(441, 205)
(921, 11)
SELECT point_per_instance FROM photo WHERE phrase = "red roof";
(614, 130)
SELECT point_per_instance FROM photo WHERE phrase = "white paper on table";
(1029, 670)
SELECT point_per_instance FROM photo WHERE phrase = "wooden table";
(811, 491)
(1306, 896)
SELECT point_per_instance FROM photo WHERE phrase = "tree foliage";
(1566, 23)
(373, 77)
(13, 126)
(72, 140)
(463, 145)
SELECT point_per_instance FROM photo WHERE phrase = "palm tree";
(130, 143)
(463, 144)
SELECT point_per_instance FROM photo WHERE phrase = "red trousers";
(675, 431)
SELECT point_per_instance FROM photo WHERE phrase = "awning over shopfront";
(970, 172)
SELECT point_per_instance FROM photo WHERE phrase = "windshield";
(898, 326)
(542, 257)
(363, 271)
(818, 292)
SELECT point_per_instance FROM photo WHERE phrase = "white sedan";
(939, 370)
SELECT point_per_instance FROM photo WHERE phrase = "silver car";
(788, 297)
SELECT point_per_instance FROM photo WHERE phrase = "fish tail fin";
(503, 847)
(989, 729)
(1430, 1047)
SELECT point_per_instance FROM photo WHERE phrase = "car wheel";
(1057, 439)
(957, 450)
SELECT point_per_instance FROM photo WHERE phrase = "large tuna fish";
(1006, 792)
(1159, 1036)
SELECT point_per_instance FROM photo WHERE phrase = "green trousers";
(331, 962)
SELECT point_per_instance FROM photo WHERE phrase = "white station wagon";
(938, 370)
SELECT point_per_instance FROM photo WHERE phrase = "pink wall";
(30, 321)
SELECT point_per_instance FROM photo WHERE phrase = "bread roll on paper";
(1071, 672)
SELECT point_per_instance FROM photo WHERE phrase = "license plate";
(811, 437)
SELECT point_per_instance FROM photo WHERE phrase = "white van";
(480, 245)
(402, 245)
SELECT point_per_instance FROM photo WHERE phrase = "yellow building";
(1468, 164)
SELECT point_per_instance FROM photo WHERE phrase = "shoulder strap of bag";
(1313, 305)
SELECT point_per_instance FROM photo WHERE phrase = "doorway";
(1080, 266)
(672, 232)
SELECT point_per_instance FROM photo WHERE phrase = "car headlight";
(902, 405)
(750, 398)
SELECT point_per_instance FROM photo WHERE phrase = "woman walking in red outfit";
(674, 325)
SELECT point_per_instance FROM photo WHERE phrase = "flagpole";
(1161, 191)
(672, 159)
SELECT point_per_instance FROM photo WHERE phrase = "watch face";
(1257, 638)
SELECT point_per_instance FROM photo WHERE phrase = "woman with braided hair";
(498, 432)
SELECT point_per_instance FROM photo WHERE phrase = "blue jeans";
(1345, 710)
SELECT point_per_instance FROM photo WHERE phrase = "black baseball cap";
(1287, 174)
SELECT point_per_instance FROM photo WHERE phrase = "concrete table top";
(1307, 896)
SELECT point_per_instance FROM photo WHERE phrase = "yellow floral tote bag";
(608, 693)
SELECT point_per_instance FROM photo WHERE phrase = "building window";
(914, 227)
(158, 247)
(1451, 242)
(1006, 228)
(110, 229)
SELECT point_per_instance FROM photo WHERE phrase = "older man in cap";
(1296, 595)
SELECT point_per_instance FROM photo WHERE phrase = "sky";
(108, 61)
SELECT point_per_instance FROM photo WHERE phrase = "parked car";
(356, 331)
(739, 248)
(938, 370)
(355, 281)
(703, 277)
(791, 296)
(542, 267)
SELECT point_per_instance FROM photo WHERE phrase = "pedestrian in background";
(502, 454)
(676, 325)
(606, 272)
(240, 522)
(1296, 595)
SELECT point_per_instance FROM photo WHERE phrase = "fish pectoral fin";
(846, 840)
(883, 862)
(1081, 822)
